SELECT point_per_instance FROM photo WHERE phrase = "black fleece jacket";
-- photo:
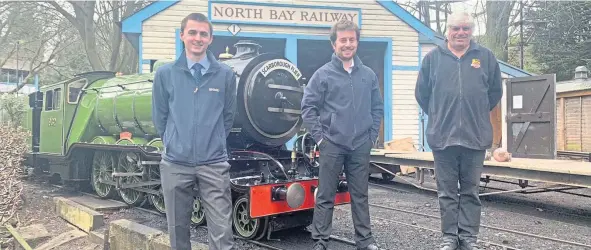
(345, 109)
(458, 94)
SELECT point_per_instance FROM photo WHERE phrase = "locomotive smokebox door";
(269, 95)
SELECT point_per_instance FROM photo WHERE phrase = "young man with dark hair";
(193, 112)
(342, 108)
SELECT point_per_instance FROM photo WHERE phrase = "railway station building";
(393, 43)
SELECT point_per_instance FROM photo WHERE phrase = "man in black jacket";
(342, 109)
(459, 83)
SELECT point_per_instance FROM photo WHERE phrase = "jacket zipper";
(353, 93)
(461, 87)
(195, 125)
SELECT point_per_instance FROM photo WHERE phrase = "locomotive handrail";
(118, 85)
(107, 92)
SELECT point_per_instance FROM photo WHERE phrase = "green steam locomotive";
(96, 129)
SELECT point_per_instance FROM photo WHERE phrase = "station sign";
(280, 14)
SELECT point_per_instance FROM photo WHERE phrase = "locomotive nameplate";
(272, 65)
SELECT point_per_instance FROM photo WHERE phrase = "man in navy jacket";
(458, 85)
(342, 109)
(193, 112)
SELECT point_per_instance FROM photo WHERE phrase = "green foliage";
(560, 36)
(13, 108)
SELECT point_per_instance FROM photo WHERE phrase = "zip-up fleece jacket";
(345, 109)
(194, 120)
(458, 94)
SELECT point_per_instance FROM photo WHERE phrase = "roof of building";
(573, 85)
(133, 24)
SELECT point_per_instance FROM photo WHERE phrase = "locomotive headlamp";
(294, 194)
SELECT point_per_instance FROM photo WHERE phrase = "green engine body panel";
(112, 106)
(125, 104)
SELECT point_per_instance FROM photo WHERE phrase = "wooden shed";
(573, 112)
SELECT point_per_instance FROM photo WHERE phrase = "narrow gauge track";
(259, 243)
(498, 199)
(264, 245)
(424, 215)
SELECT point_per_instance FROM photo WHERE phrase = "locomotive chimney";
(581, 73)
(247, 48)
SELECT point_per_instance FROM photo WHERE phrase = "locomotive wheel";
(103, 164)
(244, 226)
(158, 201)
(128, 164)
(198, 215)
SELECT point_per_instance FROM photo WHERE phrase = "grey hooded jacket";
(458, 94)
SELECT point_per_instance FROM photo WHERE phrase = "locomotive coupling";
(342, 187)
(294, 194)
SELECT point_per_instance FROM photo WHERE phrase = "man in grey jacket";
(193, 112)
(342, 109)
(459, 83)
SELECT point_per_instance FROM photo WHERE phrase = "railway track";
(430, 216)
(498, 199)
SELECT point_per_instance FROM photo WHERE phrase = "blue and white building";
(393, 42)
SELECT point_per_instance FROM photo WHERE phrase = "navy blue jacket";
(458, 94)
(345, 109)
(193, 124)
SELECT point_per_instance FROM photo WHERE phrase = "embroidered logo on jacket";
(476, 63)
(214, 90)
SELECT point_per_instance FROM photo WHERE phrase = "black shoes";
(372, 246)
(319, 247)
(463, 244)
(469, 244)
(449, 244)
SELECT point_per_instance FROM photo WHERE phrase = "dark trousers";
(460, 209)
(214, 189)
(356, 169)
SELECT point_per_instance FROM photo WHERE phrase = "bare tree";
(98, 26)
(10, 14)
(32, 34)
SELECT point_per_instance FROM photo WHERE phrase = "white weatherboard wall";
(158, 42)
(405, 110)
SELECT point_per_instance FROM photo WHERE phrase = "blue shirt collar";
(204, 63)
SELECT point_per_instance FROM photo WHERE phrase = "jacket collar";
(336, 61)
(443, 47)
(214, 65)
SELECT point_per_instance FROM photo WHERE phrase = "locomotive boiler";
(108, 126)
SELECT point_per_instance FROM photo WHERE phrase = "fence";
(573, 123)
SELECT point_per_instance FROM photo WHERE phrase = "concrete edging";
(121, 234)
(78, 215)
(127, 235)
